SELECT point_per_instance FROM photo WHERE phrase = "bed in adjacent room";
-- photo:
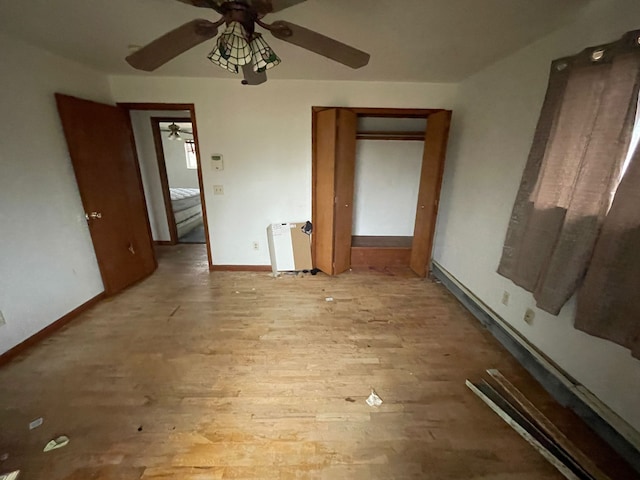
(187, 209)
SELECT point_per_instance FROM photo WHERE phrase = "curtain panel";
(609, 299)
(574, 167)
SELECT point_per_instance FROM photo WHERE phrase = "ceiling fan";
(175, 131)
(240, 47)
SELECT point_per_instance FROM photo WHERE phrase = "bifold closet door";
(334, 185)
(435, 149)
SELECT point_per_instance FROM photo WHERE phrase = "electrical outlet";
(2, 320)
(529, 315)
(218, 190)
(256, 246)
(505, 298)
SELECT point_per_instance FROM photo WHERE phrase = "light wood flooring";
(196, 375)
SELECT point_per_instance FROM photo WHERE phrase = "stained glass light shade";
(216, 57)
(233, 45)
(233, 50)
(264, 57)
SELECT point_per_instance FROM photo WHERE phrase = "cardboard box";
(289, 247)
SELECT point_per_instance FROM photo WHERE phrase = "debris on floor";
(349, 399)
(36, 423)
(328, 299)
(10, 475)
(373, 400)
(511, 405)
(4, 457)
(58, 442)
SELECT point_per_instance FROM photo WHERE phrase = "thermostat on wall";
(218, 163)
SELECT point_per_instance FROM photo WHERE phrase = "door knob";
(93, 215)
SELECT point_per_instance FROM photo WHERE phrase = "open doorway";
(178, 168)
(169, 164)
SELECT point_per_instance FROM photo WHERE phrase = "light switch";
(218, 162)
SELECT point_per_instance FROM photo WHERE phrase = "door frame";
(190, 107)
(379, 113)
(164, 177)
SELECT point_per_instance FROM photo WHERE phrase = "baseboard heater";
(606, 423)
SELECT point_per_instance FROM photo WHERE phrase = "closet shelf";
(377, 135)
(381, 242)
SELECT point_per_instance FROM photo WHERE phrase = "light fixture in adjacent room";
(175, 132)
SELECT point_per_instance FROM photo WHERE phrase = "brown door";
(102, 152)
(435, 149)
(334, 184)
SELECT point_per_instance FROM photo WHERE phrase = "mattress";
(189, 224)
(184, 198)
(187, 213)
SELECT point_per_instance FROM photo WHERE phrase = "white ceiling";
(409, 40)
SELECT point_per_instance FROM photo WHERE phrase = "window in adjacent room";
(190, 153)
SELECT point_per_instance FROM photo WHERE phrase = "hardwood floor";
(230, 375)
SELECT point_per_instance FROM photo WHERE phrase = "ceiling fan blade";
(317, 43)
(215, 4)
(251, 77)
(172, 44)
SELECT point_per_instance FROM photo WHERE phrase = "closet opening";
(376, 183)
(386, 182)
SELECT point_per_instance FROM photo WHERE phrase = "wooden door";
(102, 152)
(435, 149)
(333, 189)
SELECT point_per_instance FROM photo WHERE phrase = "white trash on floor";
(59, 442)
(373, 400)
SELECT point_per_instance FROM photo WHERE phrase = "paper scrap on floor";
(36, 423)
(374, 400)
(59, 442)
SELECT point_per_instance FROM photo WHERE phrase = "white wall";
(386, 187)
(146, 149)
(175, 158)
(47, 263)
(493, 124)
(264, 134)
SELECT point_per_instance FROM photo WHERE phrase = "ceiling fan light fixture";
(263, 55)
(175, 132)
(233, 45)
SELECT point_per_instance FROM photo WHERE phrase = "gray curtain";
(609, 300)
(574, 165)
